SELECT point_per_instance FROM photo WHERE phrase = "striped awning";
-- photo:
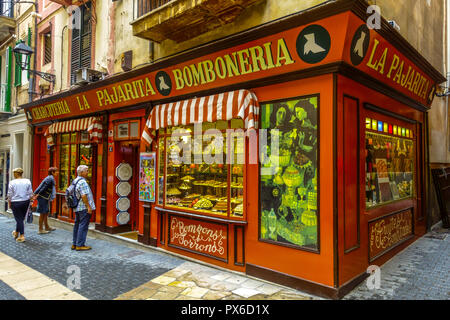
(223, 106)
(93, 125)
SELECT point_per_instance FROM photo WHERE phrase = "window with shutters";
(81, 39)
(47, 47)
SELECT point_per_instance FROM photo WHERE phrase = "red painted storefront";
(353, 197)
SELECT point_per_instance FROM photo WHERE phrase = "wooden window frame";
(163, 133)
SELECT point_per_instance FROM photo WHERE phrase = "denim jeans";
(80, 228)
(19, 209)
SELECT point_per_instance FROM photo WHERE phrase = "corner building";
(347, 189)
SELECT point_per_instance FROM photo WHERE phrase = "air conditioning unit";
(85, 76)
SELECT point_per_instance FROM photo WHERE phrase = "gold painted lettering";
(187, 76)
(382, 62)
(257, 55)
(268, 47)
(209, 71)
(398, 74)
(232, 66)
(283, 53)
(371, 64)
(394, 65)
(221, 70)
(148, 87)
(197, 74)
(243, 59)
(129, 91)
(178, 79)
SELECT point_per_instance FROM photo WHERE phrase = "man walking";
(83, 210)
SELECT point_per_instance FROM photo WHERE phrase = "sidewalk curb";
(99, 235)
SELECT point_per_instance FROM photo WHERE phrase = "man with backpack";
(83, 205)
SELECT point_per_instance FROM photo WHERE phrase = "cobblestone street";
(40, 269)
(420, 272)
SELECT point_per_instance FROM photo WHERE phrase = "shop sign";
(386, 232)
(299, 48)
(374, 55)
(209, 239)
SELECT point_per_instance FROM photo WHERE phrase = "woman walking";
(19, 194)
(45, 193)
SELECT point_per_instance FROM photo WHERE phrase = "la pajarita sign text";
(398, 70)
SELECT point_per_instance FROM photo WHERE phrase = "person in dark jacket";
(45, 193)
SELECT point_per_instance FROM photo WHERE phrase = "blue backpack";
(71, 197)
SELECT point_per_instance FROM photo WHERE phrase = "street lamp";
(21, 49)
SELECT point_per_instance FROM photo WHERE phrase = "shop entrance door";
(4, 179)
(129, 153)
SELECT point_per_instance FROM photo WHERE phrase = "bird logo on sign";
(311, 46)
(359, 47)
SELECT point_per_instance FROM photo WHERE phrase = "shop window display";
(203, 174)
(389, 164)
(289, 175)
(73, 150)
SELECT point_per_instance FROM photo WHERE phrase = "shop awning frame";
(93, 125)
(229, 105)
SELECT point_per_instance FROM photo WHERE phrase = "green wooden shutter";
(9, 65)
(18, 72)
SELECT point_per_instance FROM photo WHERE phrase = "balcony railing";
(7, 8)
(141, 7)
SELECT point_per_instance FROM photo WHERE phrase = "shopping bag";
(29, 216)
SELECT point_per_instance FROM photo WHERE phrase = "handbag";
(29, 215)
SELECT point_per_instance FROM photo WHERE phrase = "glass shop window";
(127, 130)
(204, 174)
(289, 172)
(74, 149)
(389, 163)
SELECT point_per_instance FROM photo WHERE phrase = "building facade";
(312, 137)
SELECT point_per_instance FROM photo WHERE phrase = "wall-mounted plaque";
(123, 189)
(123, 218)
(123, 204)
(147, 177)
(124, 172)
(385, 233)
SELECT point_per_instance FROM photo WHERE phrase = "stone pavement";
(419, 272)
(115, 271)
(126, 270)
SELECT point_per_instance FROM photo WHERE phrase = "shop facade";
(294, 152)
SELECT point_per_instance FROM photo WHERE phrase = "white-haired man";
(84, 209)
